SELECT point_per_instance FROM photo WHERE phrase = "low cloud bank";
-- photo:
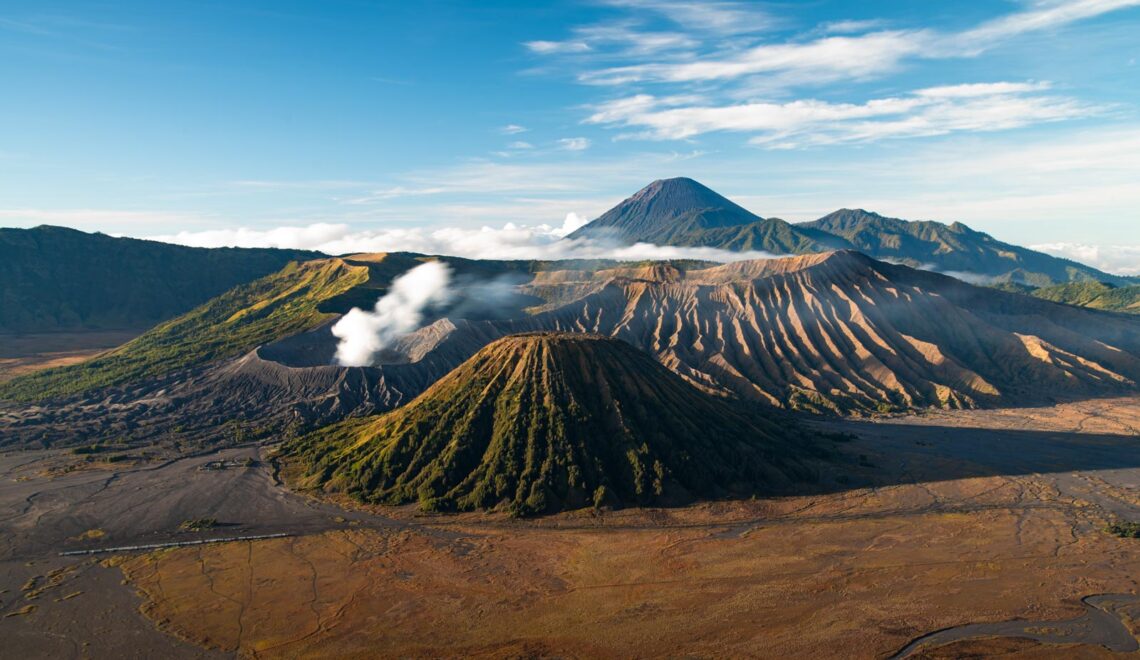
(1118, 259)
(511, 241)
(364, 334)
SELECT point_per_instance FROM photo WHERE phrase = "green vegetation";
(198, 524)
(1096, 295)
(1125, 530)
(299, 297)
(52, 278)
(276, 306)
(540, 423)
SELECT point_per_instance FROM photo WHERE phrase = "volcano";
(536, 423)
(684, 212)
(667, 206)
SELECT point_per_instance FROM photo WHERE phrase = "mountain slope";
(301, 297)
(666, 205)
(840, 331)
(546, 422)
(283, 303)
(52, 278)
(683, 212)
(1095, 295)
(835, 332)
(951, 248)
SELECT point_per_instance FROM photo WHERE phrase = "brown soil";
(850, 574)
(24, 353)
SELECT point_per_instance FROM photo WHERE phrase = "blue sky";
(416, 124)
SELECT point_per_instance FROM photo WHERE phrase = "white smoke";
(364, 334)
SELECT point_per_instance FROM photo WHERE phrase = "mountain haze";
(682, 212)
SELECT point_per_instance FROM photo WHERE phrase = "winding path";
(1101, 624)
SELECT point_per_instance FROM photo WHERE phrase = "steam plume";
(364, 334)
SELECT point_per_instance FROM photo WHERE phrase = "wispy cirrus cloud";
(851, 52)
(849, 26)
(717, 18)
(741, 79)
(814, 62)
(615, 40)
(924, 112)
(1041, 15)
(691, 22)
(574, 143)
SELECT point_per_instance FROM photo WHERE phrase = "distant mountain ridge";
(55, 278)
(683, 212)
(953, 248)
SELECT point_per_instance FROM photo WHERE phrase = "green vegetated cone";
(538, 423)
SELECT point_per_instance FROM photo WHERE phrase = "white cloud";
(1044, 15)
(823, 60)
(841, 55)
(972, 90)
(931, 111)
(719, 18)
(557, 47)
(1119, 259)
(619, 39)
(510, 241)
(849, 26)
(513, 129)
(571, 224)
(631, 41)
(520, 144)
(575, 143)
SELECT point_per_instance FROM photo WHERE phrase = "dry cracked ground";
(989, 519)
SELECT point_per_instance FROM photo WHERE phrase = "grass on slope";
(546, 422)
(1095, 295)
(237, 321)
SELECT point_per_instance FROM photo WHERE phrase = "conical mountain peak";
(664, 208)
(541, 422)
